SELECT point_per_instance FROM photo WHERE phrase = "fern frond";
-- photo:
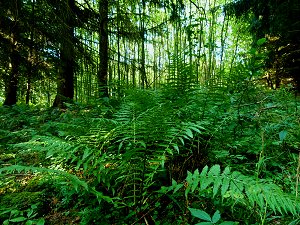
(240, 188)
(73, 180)
(181, 79)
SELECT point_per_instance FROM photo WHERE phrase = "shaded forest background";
(149, 112)
(52, 51)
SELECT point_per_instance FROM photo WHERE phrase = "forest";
(149, 112)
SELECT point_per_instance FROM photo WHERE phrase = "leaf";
(204, 171)
(196, 129)
(261, 41)
(181, 139)
(143, 144)
(189, 133)
(216, 217)
(120, 146)
(214, 170)
(196, 180)
(187, 190)
(6, 211)
(41, 221)
(177, 187)
(18, 219)
(176, 147)
(226, 181)
(29, 222)
(217, 185)
(189, 177)
(200, 214)
(282, 135)
(218, 181)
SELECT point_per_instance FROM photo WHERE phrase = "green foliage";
(258, 197)
(86, 158)
(273, 21)
(181, 80)
(215, 219)
(26, 217)
(126, 156)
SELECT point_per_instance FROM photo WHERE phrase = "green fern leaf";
(217, 185)
(86, 153)
(175, 146)
(226, 181)
(214, 171)
(181, 139)
(204, 181)
(189, 180)
(249, 191)
(189, 133)
(196, 180)
(204, 172)
(214, 177)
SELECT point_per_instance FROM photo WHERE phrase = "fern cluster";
(122, 156)
(181, 79)
(241, 191)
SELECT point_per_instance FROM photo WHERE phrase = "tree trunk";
(11, 85)
(65, 81)
(12, 82)
(31, 58)
(103, 50)
(143, 38)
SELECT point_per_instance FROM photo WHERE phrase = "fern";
(127, 151)
(242, 189)
(181, 80)
(122, 155)
(73, 180)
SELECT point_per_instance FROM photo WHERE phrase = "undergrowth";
(155, 158)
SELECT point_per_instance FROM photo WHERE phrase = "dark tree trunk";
(143, 38)
(31, 55)
(103, 50)
(12, 82)
(65, 81)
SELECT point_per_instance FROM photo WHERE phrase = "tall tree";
(65, 80)
(10, 35)
(103, 48)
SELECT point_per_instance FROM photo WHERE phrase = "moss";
(29, 158)
(20, 200)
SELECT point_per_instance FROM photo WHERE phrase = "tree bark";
(12, 82)
(143, 39)
(103, 49)
(65, 81)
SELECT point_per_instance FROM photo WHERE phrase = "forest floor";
(66, 166)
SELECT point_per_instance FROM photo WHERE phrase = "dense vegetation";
(163, 112)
